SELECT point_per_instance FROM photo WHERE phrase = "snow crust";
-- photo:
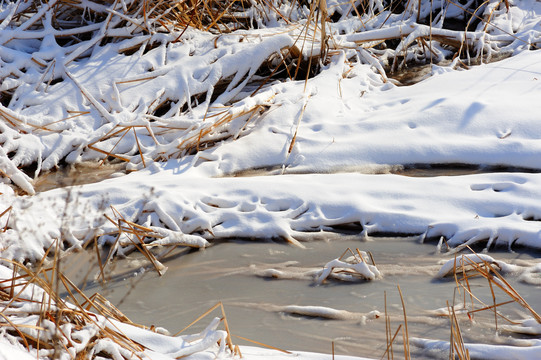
(463, 117)
(323, 312)
(466, 261)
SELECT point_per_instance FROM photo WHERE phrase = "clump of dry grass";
(465, 270)
(457, 348)
(42, 323)
(469, 269)
(35, 316)
(389, 337)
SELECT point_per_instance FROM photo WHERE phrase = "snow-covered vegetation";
(261, 119)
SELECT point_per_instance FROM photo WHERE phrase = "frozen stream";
(228, 272)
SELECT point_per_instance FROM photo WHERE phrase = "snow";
(323, 312)
(484, 351)
(13, 351)
(528, 326)
(429, 123)
(495, 208)
(354, 265)
(465, 262)
(254, 353)
(325, 148)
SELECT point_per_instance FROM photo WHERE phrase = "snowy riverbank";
(222, 141)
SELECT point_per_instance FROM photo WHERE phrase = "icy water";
(232, 272)
(85, 173)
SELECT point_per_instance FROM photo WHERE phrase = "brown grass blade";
(390, 344)
(406, 340)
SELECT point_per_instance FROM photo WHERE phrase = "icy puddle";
(258, 306)
(80, 174)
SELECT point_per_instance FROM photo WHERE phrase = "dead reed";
(470, 269)
(402, 328)
(135, 234)
(465, 270)
(233, 347)
(50, 324)
(457, 349)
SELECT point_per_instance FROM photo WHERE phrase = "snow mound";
(468, 261)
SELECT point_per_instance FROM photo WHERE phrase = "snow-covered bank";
(500, 208)
(332, 127)
(153, 92)
(464, 117)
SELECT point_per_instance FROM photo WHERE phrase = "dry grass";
(474, 302)
(45, 324)
(136, 235)
(406, 332)
(233, 347)
(471, 269)
(230, 344)
(457, 349)
(464, 274)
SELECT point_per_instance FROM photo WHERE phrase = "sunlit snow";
(278, 159)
